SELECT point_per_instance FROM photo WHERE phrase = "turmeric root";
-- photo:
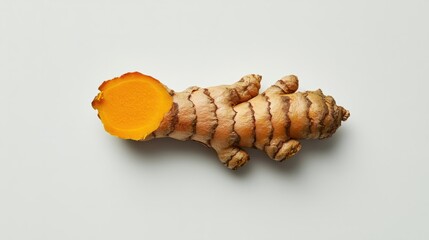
(225, 118)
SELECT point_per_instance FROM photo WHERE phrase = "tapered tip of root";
(252, 78)
(345, 114)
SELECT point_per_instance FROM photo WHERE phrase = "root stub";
(132, 106)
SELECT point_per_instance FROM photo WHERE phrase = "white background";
(63, 177)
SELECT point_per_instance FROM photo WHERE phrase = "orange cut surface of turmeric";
(132, 106)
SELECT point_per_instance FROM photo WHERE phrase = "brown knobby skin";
(230, 117)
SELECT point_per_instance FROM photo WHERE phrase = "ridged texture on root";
(229, 117)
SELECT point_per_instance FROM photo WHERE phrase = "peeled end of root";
(132, 106)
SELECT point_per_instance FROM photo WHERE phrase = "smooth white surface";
(63, 177)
